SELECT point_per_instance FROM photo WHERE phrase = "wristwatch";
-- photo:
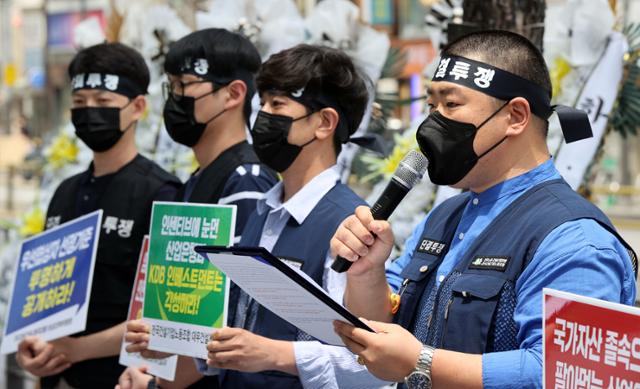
(152, 384)
(420, 377)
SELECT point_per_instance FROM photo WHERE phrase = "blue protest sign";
(52, 282)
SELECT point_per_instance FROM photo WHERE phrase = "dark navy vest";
(307, 243)
(472, 310)
(208, 188)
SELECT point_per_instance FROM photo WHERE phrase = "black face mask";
(180, 121)
(98, 127)
(448, 145)
(270, 143)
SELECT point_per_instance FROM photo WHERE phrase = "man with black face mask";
(108, 83)
(208, 105)
(313, 100)
(467, 293)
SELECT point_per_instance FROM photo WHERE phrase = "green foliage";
(625, 116)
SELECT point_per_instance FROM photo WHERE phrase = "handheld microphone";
(409, 172)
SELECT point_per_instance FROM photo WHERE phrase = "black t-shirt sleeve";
(166, 192)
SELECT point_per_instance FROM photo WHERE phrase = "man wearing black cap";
(109, 82)
(469, 286)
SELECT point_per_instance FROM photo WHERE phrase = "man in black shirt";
(109, 82)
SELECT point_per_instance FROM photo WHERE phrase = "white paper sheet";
(281, 295)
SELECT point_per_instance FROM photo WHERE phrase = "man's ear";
(236, 93)
(519, 115)
(139, 107)
(328, 122)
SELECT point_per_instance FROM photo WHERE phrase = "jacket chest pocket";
(470, 312)
(415, 279)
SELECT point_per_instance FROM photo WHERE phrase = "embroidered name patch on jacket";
(433, 247)
(490, 262)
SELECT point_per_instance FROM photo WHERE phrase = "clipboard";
(234, 261)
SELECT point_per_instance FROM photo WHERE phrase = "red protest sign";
(163, 367)
(590, 343)
(137, 296)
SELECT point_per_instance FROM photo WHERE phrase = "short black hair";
(505, 50)
(231, 56)
(327, 69)
(112, 58)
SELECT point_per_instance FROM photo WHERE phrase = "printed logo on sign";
(433, 247)
(490, 262)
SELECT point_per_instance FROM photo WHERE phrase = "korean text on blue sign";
(52, 282)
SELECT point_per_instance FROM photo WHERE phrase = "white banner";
(596, 99)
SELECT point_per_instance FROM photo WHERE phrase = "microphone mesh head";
(411, 169)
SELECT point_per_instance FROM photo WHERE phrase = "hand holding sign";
(134, 378)
(52, 285)
(134, 350)
(40, 358)
(137, 336)
(185, 296)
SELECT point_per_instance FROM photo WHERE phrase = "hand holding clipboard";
(287, 292)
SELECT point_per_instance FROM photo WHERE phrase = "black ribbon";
(372, 142)
(574, 122)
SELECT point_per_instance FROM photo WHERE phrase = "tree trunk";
(525, 17)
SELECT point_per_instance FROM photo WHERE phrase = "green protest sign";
(185, 295)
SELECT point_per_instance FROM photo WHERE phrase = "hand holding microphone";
(356, 236)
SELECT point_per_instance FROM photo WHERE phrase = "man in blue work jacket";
(471, 280)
